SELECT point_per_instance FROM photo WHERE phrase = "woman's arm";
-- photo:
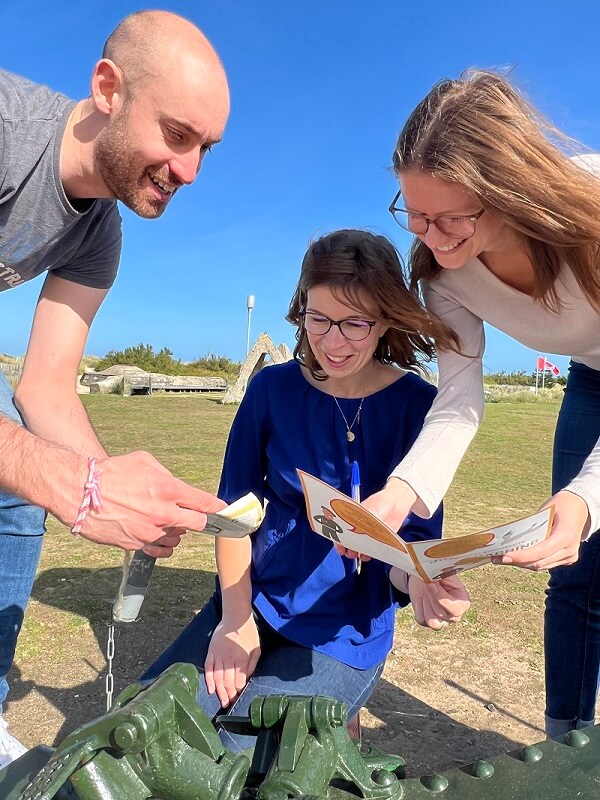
(576, 516)
(435, 604)
(234, 648)
(245, 460)
(586, 485)
(423, 476)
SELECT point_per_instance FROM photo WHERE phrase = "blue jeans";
(572, 619)
(283, 668)
(21, 530)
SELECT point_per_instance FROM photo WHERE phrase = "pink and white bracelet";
(91, 496)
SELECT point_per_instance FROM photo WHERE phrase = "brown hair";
(479, 132)
(355, 263)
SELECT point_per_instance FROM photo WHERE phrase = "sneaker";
(10, 748)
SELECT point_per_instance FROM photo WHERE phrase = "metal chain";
(110, 654)
(349, 432)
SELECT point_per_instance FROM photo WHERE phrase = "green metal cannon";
(155, 743)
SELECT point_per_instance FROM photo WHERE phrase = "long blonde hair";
(479, 132)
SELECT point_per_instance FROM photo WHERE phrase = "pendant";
(350, 436)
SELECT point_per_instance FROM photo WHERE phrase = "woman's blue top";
(301, 586)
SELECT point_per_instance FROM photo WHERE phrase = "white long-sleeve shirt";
(464, 298)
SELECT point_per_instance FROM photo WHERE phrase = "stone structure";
(127, 380)
(262, 350)
(12, 369)
(285, 351)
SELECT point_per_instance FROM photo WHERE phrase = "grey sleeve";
(97, 260)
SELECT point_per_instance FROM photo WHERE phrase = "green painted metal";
(156, 743)
(152, 743)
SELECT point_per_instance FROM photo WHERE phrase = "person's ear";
(107, 86)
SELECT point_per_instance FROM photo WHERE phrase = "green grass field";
(187, 434)
(505, 474)
(445, 680)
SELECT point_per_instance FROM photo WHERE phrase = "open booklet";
(337, 517)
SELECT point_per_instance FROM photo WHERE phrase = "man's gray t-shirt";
(40, 229)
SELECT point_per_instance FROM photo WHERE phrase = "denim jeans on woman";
(283, 668)
(21, 530)
(572, 620)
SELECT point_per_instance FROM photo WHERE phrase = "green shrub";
(144, 357)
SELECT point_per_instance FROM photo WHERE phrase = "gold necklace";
(349, 433)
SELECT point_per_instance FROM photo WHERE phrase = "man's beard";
(122, 172)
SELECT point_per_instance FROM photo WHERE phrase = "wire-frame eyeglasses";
(457, 226)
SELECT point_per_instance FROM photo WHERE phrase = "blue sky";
(320, 89)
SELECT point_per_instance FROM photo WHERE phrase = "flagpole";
(537, 372)
(544, 373)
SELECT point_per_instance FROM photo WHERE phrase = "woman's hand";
(570, 525)
(438, 603)
(344, 551)
(232, 657)
(393, 503)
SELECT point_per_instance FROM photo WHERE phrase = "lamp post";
(249, 306)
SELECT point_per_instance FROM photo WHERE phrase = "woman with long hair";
(507, 231)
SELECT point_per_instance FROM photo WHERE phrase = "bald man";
(159, 101)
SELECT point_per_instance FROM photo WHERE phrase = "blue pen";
(355, 482)
(355, 494)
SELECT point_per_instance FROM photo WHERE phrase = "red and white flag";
(543, 364)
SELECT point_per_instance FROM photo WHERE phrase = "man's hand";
(438, 603)
(141, 503)
(570, 525)
(232, 657)
(163, 547)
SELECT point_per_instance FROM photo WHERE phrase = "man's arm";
(47, 400)
(40, 472)
(141, 500)
(60, 329)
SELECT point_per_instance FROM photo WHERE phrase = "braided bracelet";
(91, 496)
